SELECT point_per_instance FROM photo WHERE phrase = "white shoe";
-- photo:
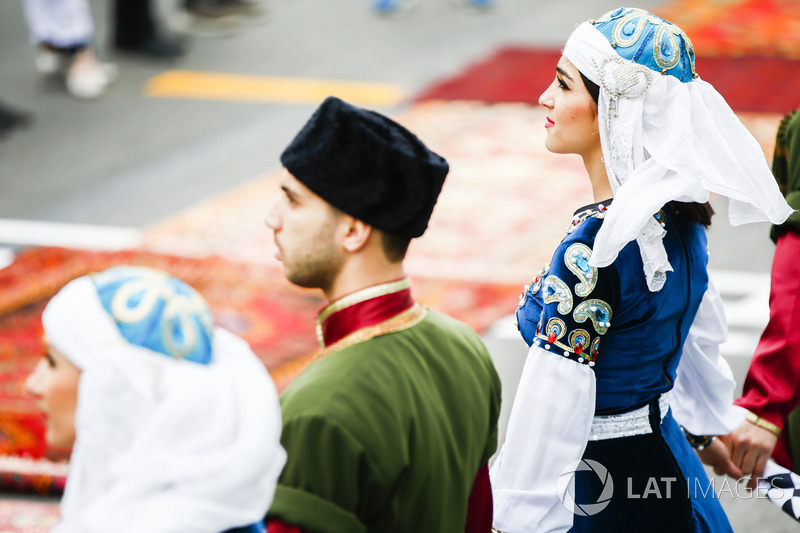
(50, 62)
(89, 83)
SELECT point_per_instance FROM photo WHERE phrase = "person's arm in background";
(772, 385)
(771, 388)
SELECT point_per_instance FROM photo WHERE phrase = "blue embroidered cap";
(158, 312)
(650, 41)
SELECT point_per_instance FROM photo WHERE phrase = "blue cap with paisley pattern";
(158, 312)
(650, 41)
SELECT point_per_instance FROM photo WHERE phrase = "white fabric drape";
(702, 398)
(547, 432)
(62, 23)
(666, 140)
(163, 445)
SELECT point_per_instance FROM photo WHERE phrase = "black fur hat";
(368, 166)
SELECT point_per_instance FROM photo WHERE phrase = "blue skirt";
(659, 484)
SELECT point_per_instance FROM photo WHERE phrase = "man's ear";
(356, 234)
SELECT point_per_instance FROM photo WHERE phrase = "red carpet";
(509, 75)
(750, 83)
(255, 302)
(764, 28)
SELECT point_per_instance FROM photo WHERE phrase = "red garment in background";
(276, 526)
(479, 511)
(772, 385)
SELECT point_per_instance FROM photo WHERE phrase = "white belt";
(636, 422)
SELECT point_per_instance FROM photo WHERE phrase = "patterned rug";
(749, 50)
(253, 301)
(27, 516)
(748, 83)
(765, 28)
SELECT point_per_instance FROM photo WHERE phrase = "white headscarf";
(163, 445)
(666, 140)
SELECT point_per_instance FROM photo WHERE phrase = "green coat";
(387, 435)
(787, 170)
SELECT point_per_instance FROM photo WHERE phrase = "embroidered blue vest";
(607, 318)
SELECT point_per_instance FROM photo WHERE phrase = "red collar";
(362, 309)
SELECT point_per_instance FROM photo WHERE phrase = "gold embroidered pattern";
(402, 321)
(358, 297)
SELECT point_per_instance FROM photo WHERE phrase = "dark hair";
(694, 212)
(394, 246)
(691, 211)
(591, 86)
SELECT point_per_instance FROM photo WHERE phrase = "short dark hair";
(394, 246)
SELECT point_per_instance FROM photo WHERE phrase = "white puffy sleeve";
(563, 314)
(547, 432)
(702, 398)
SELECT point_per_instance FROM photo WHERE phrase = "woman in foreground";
(592, 443)
(174, 423)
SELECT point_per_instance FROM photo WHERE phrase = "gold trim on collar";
(407, 319)
(357, 297)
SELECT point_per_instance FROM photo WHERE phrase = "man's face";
(306, 233)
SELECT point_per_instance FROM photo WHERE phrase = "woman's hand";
(750, 446)
(718, 456)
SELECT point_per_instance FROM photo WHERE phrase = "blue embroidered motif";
(579, 340)
(577, 260)
(534, 286)
(537, 281)
(661, 218)
(523, 298)
(648, 40)
(556, 290)
(594, 349)
(598, 311)
(158, 312)
(556, 328)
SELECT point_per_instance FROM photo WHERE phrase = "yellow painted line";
(245, 88)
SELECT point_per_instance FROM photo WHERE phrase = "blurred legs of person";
(62, 30)
(474, 5)
(210, 18)
(135, 31)
(394, 8)
(218, 18)
(397, 8)
(216, 8)
(11, 119)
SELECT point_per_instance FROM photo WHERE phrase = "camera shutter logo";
(566, 487)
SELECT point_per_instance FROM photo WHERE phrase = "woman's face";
(54, 383)
(572, 114)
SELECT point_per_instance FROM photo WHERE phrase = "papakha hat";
(368, 166)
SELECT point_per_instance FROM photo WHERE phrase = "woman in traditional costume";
(600, 431)
(174, 423)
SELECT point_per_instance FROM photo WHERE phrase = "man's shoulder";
(378, 367)
(448, 327)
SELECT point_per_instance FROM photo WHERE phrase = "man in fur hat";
(391, 427)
